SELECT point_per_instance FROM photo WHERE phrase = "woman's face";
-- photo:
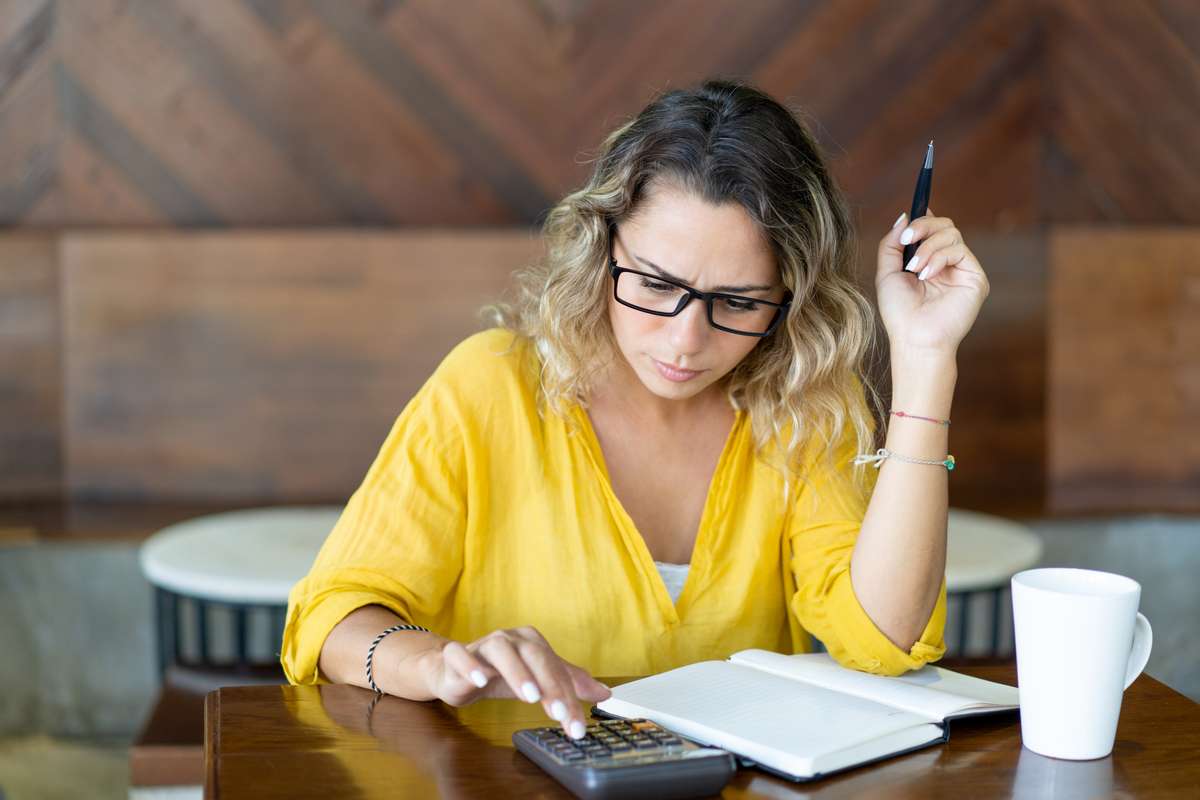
(705, 247)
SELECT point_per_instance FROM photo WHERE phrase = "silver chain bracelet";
(374, 644)
(883, 453)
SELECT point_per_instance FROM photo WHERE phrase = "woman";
(650, 460)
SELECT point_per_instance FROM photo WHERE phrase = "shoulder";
(491, 367)
(494, 354)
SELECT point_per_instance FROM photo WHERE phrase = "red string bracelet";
(927, 419)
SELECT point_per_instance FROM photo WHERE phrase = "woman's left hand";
(934, 314)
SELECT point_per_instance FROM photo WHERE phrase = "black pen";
(920, 203)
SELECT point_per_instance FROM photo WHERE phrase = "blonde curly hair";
(723, 142)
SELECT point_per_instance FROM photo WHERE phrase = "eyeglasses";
(663, 297)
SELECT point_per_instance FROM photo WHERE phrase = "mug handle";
(1139, 653)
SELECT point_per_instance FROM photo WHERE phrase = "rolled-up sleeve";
(823, 525)
(399, 541)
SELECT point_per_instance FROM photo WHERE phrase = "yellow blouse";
(477, 514)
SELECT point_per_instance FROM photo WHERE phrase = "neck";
(621, 389)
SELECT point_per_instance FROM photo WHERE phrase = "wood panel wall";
(30, 367)
(360, 112)
(257, 366)
(1124, 392)
(369, 114)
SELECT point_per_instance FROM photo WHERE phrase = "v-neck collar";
(634, 541)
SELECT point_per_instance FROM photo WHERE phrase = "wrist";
(923, 382)
(922, 357)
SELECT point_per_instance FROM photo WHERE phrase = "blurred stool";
(983, 552)
(239, 565)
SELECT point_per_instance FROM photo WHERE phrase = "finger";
(945, 237)
(587, 687)
(467, 665)
(958, 256)
(922, 228)
(891, 246)
(502, 654)
(560, 700)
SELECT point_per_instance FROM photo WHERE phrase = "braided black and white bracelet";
(375, 643)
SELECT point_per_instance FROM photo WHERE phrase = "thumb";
(890, 249)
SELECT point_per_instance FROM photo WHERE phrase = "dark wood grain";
(1124, 333)
(335, 741)
(258, 366)
(250, 112)
(30, 369)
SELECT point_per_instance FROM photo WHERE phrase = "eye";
(658, 287)
(739, 305)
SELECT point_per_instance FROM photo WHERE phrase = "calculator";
(627, 758)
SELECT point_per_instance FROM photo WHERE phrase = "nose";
(689, 329)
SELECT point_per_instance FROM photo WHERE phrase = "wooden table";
(334, 741)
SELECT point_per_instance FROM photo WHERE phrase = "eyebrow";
(665, 274)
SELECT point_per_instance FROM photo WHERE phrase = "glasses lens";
(741, 314)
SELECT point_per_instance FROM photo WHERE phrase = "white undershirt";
(673, 575)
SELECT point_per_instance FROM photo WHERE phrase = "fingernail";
(578, 731)
(912, 264)
(531, 692)
(924, 273)
(899, 219)
(478, 678)
(907, 236)
(558, 710)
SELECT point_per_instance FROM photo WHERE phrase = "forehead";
(700, 243)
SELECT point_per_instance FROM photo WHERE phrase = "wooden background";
(222, 214)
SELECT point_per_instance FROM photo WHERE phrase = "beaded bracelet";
(375, 643)
(883, 453)
(927, 419)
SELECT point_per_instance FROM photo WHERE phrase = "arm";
(400, 662)
(900, 557)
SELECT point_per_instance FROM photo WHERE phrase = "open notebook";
(805, 716)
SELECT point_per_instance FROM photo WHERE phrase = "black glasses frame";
(705, 297)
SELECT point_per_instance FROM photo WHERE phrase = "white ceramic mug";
(1080, 643)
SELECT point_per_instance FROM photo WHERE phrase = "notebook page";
(770, 719)
(933, 692)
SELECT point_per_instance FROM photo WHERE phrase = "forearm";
(398, 665)
(900, 556)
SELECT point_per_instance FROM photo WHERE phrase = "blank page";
(931, 691)
(755, 708)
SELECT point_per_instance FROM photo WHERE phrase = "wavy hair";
(722, 142)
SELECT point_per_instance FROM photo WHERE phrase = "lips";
(675, 372)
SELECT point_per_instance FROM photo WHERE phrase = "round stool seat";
(984, 551)
(251, 556)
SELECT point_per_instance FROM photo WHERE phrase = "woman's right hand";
(516, 663)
